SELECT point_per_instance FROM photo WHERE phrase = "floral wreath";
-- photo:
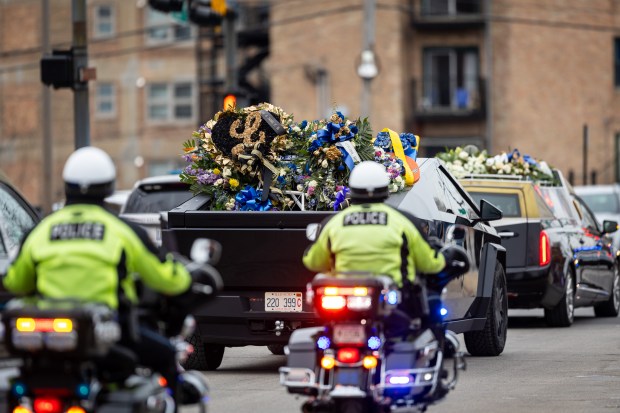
(259, 159)
(469, 160)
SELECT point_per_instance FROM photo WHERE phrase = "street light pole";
(46, 203)
(81, 119)
(367, 69)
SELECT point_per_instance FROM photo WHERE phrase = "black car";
(261, 266)
(559, 257)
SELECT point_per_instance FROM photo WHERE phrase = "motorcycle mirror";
(456, 233)
(312, 231)
(206, 251)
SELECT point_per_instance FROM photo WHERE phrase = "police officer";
(86, 253)
(371, 236)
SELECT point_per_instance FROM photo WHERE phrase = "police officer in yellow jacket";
(84, 252)
(371, 236)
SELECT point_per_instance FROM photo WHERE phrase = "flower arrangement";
(470, 160)
(258, 159)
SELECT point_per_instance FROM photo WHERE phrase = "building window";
(170, 102)
(105, 100)
(617, 62)
(451, 78)
(162, 28)
(450, 7)
(104, 21)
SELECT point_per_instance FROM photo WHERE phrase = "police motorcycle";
(71, 362)
(368, 355)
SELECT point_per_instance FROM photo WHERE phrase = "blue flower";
(383, 141)
(303, 124)
(408, 140)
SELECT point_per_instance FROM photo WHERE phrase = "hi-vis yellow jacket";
(374, 238)
(84, 252)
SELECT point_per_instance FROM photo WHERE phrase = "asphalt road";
(574, 369)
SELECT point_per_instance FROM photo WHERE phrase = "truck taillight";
(544, 251)
(333, 302)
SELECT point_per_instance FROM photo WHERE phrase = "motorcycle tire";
(206, 357)
(351, 406)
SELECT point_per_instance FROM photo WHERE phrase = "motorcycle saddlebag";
(302, 348)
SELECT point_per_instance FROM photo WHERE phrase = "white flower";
(457, 162)
(498, 164)
(296, 129)
(324, 164)
(282, 172)
(227, 172)
(219, 181)
(300, 187)
(507, 168)
(312, 183)
(398, 180)
(463, 155)
(490, 162)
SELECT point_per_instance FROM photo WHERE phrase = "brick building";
(500, 74)
(142, 106)
(497, 73)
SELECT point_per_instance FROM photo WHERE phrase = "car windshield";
(157, 198)
(602, 202)
(507, 203)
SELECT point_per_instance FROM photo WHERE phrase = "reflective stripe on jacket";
(374, 238)
(84, 252)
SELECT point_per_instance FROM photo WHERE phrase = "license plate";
(283, 302)
(349, 334)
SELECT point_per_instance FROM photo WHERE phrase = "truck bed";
(261, 252)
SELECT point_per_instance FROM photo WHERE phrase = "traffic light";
(166, 6)
(207, 12)
(230, 101)
(57, 69)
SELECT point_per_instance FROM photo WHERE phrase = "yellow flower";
(233, 182)
(216, 171)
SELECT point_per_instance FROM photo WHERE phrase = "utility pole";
(367, 69)
(46, 113)
(230, 47)
(585, 154)
(81, 120)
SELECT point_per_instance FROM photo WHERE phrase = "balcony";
(448, 15)
(439, 101)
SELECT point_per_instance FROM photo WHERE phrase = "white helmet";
(89, 172)
(369, 182)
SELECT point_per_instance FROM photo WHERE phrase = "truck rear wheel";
(276, 349)
(490, 341)
(205, 356)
